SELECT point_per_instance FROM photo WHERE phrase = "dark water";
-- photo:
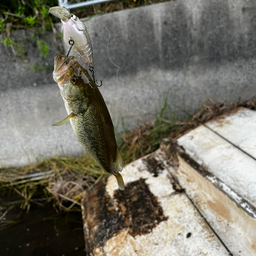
(42, 231)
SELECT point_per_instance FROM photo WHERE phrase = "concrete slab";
(226, 162)
(187, 50)
(116, 222)
(231, 217)
(221, 180)
(238, 127)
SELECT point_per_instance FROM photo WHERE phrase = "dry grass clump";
(210, 109)
(114, 6)
(62, 180)
(56, 179)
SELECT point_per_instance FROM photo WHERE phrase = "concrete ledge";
(151, 217)
(229, 219)
(219, 176)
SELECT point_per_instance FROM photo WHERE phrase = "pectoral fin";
(65, 119)
(120, 181)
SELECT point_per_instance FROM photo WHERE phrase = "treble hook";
(71, 43)
(91, 68)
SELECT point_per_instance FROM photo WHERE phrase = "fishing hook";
(91, 68)
(71, 43)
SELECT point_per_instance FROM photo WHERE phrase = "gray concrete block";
(186, 50)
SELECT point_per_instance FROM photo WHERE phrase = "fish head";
(69, 76)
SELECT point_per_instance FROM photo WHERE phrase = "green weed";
(9, 42)
(30, 21)
(43, 47)
(20, 50)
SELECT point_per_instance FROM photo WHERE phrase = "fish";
(88, 114)
(75, 29)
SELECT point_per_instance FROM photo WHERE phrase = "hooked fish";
(75, 29)
(88, 114)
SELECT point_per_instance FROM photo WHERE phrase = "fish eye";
(74, 79)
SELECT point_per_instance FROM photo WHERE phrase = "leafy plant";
(30, 21)
(43, 47)
(36, 68)
(20, 50)
(2, 25)
(44, 11)
(9, 42)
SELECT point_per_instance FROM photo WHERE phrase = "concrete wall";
(187, 50)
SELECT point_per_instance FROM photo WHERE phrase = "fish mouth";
(61, 67)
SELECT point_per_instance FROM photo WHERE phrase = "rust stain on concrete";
(254, 245)
(220, 209)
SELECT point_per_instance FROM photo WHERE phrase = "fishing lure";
(76, 36)
(75, 29)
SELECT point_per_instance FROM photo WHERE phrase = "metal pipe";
(64, 3)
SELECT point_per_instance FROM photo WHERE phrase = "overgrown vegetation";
(28, 15)
(62, 180)
(34, 15)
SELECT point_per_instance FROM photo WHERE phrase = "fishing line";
(109, 37)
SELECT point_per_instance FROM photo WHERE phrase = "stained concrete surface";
(220, 179)
(186, 50)
(150, 217)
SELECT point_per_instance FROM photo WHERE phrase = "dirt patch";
(141, 207)
(136, 209)
(153, 165)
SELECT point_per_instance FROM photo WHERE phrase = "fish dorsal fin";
(65, 119)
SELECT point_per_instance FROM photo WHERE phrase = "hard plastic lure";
(74, 29)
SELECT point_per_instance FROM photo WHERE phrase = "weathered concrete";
(220, 178)
(231, 222)
(187, 50)
(151, 217)
(166, 190)
(224, 160)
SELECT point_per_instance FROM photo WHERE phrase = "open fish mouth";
(61, 66)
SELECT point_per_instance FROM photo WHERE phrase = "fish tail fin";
(118, 166)
(120, 181)
(118, 163)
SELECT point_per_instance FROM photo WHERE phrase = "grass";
(53, 179)
(62, 180)
(34, 16)
(113, 7)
